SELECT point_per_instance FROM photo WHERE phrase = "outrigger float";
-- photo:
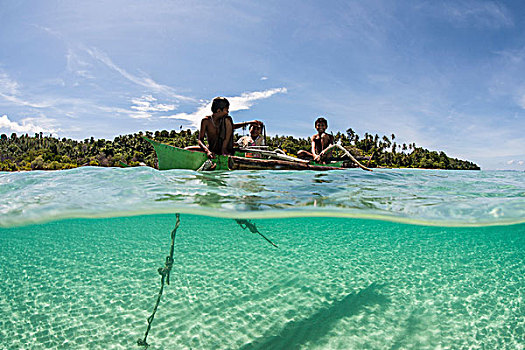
(171, 157)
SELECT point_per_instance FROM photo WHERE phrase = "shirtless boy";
(320, 141)
(218, 129)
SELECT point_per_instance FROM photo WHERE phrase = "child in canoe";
(254, 139)
(218, 129)
(320, 142)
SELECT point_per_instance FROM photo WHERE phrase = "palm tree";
(351, 133)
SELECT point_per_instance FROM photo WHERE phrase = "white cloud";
(10, 91)
(514, 56)
(195, 117)
(145, 106)
(147, 103)
(78, 66)
(26, 126)
(22, 102)
(237, 103)
(521, 101)
(7, 85)
(515, 162)
(247, 99)
(49, 31)
(477, 13)
(144, 81)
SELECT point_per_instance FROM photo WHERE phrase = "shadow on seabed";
(295, 334)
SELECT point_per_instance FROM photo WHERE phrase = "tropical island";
(40, 152)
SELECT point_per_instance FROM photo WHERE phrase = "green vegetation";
(49, 153)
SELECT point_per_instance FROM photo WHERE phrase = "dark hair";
(219, 103)
(321, 120)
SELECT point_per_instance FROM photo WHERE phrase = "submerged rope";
(247, 224)
(165, 277)
(165, 271)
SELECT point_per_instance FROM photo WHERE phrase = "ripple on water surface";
(443, 198)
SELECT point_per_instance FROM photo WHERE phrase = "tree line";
(39, 152)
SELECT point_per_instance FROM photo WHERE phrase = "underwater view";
(392, 259)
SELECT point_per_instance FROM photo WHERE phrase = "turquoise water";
(394, 259)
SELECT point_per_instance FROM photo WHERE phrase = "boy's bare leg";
(305, 154)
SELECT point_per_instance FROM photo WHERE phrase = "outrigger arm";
(347, 153)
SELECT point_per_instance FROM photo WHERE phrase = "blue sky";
(448, 75)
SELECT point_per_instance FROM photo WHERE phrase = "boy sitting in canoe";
(254, 139)
(218, 129)
(320, 142)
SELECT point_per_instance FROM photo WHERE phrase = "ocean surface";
(392, 259)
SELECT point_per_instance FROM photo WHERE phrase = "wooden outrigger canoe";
(171, 157)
